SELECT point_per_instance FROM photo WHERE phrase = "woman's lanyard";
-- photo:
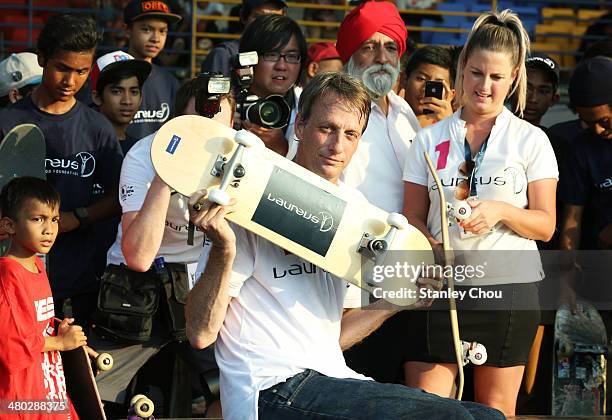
(477, 162)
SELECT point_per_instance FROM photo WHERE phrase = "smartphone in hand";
(435, 89)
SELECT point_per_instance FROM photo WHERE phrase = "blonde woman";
(504, 168)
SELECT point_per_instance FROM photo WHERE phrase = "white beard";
(378, 84)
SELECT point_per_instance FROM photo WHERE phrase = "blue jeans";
(310, 395)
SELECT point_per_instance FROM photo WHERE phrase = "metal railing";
(548, 36)
(543, 39)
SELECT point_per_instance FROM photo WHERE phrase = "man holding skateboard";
(280, 341)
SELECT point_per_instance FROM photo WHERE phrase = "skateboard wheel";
(478, 354)
(143, 407)
(463, 210)
(397, 220)
(104, 362)
(219, 196)
(246, 138)
(136, 398)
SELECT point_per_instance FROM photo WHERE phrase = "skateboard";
(141, 408)
(579, 362)
(81, 383)
(465, 352)
(449, 260)
(22, 152)
(328, 225)
(80, 379)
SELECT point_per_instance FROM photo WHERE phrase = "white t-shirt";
(517, 153)
(283, 318)
(137, 173)
(376, 167)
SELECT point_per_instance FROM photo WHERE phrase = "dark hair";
(189, 89)
(271, 33)
(69, 33)
(18, 190)
(349, 90)
(247, 8)
(117, 76)
(431, 54)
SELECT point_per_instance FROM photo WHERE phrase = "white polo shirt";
(377, 165)
(517, 153)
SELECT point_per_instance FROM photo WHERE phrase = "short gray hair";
(348, 89)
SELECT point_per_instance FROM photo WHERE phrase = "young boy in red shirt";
(32, 382)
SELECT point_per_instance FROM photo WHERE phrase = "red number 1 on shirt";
(442, 149)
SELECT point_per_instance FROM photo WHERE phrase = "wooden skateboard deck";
(579, 362)
(283, 202)
(22, 153)
(81, 384)
(449, 260)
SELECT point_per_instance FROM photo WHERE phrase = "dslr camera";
(209, 90)
(270, 112)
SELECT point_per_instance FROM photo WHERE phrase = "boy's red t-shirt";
(26, 318)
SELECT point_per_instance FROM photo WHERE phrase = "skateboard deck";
(579, 362)
(81, 384)
(323, 223)
(22, 153)
(449, 260)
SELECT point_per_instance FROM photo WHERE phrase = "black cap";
(591, 85)
(251, 4)
(140, 9)
(544, 62)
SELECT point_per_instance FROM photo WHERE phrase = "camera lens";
(269, 113)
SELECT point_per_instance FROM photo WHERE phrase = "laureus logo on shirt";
(605, 184)
(300, 211)
(515, 176)
(83, 165)
(152, 115)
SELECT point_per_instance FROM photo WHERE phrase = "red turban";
(364, 21)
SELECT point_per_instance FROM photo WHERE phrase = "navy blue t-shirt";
(158, 94)
(219, 60)
(82, 151)
(588, 182)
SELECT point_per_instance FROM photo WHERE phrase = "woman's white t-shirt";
(517, 153)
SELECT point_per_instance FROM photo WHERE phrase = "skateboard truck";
(474, 352)
(374, 247)
(231, 170)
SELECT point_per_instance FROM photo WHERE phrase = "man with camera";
(429, 79)
(281, 49)
(154, 256)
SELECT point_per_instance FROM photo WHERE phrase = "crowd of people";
(133, 267)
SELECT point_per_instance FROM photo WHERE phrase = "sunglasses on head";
(464, 186)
